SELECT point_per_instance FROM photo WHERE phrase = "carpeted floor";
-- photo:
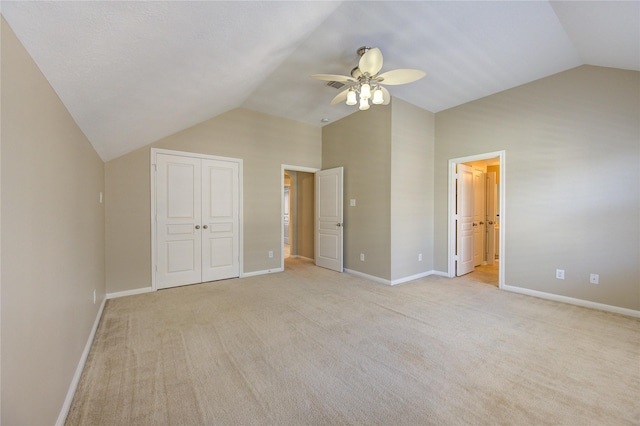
(313, 347)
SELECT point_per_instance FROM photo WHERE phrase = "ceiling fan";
(366, 80)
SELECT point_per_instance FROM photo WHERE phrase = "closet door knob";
(205, 226)
(197, 226)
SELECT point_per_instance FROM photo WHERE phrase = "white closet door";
(178, 221)
(220, 212)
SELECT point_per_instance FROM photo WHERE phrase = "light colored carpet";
(311, 346)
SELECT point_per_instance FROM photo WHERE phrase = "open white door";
(479, 214)
(329, 226)
(464, 220)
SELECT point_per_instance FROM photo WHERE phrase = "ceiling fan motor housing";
(364, 49)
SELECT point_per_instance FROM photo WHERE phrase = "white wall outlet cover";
(352, 202)
(560, 274)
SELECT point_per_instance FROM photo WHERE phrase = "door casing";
(154, 153)
(451, 246)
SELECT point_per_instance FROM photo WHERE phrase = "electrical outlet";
(352, 202)
(270, 253)
(362, 257)
(419, 257)
(560, 274)
(594, 279)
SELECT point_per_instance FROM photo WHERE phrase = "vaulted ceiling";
(131, 73)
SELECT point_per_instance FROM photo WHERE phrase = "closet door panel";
(178, 218)
(220, 213)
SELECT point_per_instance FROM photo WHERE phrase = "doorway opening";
(476, 217)
(297, 213)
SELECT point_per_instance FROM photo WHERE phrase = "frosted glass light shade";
(351, 97)
(364, 104)
(365, 91)
(377, 97)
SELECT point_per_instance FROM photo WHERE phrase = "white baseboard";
(130, 292)
(76, 377)
(397, 281)
(411, 278)
(266, 271)
(573, 301)
(367, 276)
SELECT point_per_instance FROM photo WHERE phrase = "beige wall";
(262, 141)
(387, 153)
(571, 175)
(412, 146)
(361, 143)
(52, 241)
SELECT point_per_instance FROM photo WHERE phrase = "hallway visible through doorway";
(487, 274)
(298, 212)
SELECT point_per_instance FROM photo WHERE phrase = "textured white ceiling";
(131, 73)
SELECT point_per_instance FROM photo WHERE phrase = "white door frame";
(154, 153)
(501, 211)
(282, 170)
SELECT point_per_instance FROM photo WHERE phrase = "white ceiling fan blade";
(340, 97)
(371, 61)
(333, 77)
(401, 76)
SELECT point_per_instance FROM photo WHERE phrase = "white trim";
(399, 280)
(284, 167)
(451, 207)
(572, 301)
(152, 181)
(130, 292)
(152, 168)
(62, 417)
(411, 278)
(367, 276)
(439, 273)
(264, 272)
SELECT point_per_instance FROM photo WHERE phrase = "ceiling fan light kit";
(366, 81)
